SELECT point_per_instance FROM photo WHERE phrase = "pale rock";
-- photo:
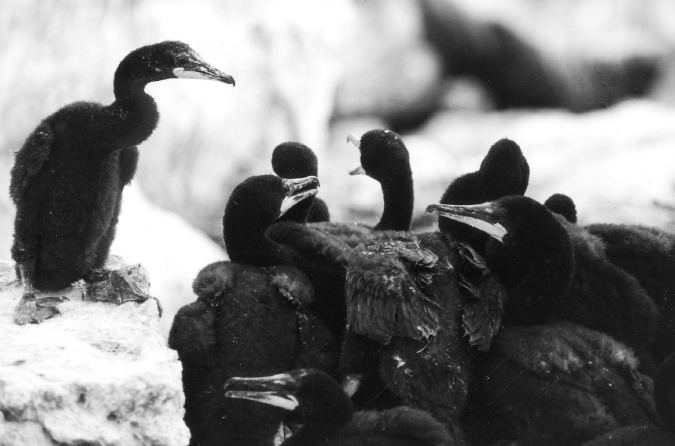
(100, 374)
(171, 250)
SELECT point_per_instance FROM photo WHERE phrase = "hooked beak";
(480, 216)
(275, 390)
(295, 192)
(198, 68)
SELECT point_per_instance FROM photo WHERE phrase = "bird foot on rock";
(117, 286)
(31, 310)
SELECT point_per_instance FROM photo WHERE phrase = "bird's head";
(165, 60)
(383, 154)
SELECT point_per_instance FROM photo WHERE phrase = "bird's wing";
(385, 291)
(214, 281)
(292, 284)
(482, 316)
(30, 159)
(307, 245)
(352, 234)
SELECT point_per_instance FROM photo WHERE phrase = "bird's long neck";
(133, 116)
(246, 242)
(399, 200)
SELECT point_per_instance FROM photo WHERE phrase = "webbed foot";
(31, 310)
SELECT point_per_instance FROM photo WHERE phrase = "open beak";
(357, 142)
(480, 216)
(275, 390)
(297, 189)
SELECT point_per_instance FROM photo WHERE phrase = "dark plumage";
(329, 416)
(68, 177)
(558, 384)
(648, 254)
(251, 317)
(555, 270)
(563, 205)
(649, 435)
(295, 160)
(504, 171)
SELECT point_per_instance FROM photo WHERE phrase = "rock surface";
(100, 374)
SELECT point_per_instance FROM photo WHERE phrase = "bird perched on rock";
(296, 160)
(251, 318)
(329, 416)
(68, 177)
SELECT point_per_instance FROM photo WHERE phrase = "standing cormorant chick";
(68, 177)
(504, 171)
(330, 419)
(296, 160)
(562, 205)
(251, 318)
(555, 270)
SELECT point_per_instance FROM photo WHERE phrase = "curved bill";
(297, 190)
(275, 390)
(195, 67)
(480, 216)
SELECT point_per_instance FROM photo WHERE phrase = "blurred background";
(586, 88)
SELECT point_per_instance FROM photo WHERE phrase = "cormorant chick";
(504, 171)
(68, 177)
(554, 270)
(385, 158)
(295, 160)
(558, 384)
(329, 416)
(321, 250)
(251, 318)
(562, 205)
(648, 254)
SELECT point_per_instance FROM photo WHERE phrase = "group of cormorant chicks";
(510, 324)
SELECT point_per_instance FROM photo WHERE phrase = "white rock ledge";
(100, 374)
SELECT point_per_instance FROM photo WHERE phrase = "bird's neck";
(399, 200)
(246, 242)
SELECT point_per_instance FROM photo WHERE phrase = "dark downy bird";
(555, 270)
(646, 253)
(504, 171)
(329, 416)
(295, 160)
(321, 250)
(251, 318)
(562, 205)
(558, 384)
(68, 177)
